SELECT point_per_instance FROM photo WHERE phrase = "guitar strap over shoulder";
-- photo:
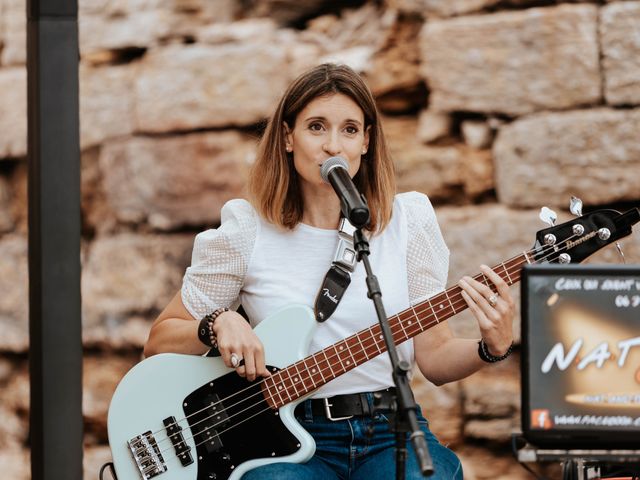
(338, 277)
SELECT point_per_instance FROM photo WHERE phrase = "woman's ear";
(288, 138)
(365, 143)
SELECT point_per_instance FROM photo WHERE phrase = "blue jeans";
(361, 448)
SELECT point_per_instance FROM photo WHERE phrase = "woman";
(276, 250)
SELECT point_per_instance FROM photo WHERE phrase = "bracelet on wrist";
(485, 356)
(205, 328)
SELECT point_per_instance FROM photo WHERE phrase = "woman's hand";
(493, 311)
(235, 336)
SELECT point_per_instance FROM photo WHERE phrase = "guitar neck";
(323, 366)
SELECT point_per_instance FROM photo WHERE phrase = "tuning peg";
(548, 216)
(620, 252)
(575, 206)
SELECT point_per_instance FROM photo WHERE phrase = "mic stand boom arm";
(406, 419)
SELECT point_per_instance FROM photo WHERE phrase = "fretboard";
(315, 370)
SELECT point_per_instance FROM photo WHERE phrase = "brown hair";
(273, 181)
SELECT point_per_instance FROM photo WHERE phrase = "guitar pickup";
(174, 431)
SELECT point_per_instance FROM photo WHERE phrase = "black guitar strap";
(338, 277)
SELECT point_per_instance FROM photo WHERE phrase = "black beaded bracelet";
(485, 356)
(205, 328)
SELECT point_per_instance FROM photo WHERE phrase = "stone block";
(6, 217)
(230, 85)
(170, 182)
(448, 8)
(450, 172)
(433, 126)
(14, 301)
(131, 273)
(546, 158)
(513, 62)
(13, 112)
(619, 26)
(106, 103)
(13, 32)
(140, 24)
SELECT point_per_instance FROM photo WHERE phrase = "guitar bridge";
(147, 456)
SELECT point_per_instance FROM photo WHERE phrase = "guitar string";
(366, 346)
(511, 269)
(516, 269)
(364, 350)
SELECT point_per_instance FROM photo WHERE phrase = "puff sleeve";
(219, 261)
(427, 253)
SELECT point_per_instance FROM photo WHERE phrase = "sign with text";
(581, 355)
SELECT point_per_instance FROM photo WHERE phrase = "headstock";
(577, 239)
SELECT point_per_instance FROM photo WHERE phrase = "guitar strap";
(338, 277)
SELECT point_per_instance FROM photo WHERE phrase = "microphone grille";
(331, 163)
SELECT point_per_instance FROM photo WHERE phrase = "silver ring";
(235, 360)
(493, 300)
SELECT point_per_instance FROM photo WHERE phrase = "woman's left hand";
(493, 311)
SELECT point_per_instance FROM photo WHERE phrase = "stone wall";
(492, 107)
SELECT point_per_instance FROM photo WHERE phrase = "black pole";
(406, 417)
(55, 354)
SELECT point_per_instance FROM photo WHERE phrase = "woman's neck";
(321, 209)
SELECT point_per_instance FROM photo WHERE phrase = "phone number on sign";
(624, 301)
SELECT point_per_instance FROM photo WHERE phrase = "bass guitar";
(186, 417)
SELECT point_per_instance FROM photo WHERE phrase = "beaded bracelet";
(484, 354)
(205, 328)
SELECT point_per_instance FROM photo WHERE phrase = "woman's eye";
(351, 130)
(315, 127)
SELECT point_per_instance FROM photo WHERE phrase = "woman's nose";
(332, 146)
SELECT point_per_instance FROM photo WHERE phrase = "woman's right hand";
(235, 335)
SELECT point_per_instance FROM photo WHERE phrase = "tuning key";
(621, 252)
(548, 216)
(575, 206)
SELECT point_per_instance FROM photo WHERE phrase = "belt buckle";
(327, 411)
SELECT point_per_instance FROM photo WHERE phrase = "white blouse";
(250, 261)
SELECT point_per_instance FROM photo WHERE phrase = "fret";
(306, 372)
(346, 342)
(266, 390)
(333, 374)
(366, 354)
(354, 344)
(282, 388)
(277, 388)
(293, 384)
(339, 359)
(452, 307)
(509, 281)
(435, 315)
(402, 326)
(526, 257)
(373, 337)
(318, 369)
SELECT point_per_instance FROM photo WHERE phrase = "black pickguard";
(232, 423)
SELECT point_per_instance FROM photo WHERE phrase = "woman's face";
(328, 126)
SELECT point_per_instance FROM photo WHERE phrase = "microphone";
(335, 171)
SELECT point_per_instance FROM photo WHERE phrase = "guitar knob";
(548, 216)
(549, 239)
(564, 258)
(604, 234)
(575, 206)
(578, 229)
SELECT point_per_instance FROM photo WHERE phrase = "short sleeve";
(427, 253)
(219, 261)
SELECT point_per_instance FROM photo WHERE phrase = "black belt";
(341, 407)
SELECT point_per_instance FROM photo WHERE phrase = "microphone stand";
(405, 419)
